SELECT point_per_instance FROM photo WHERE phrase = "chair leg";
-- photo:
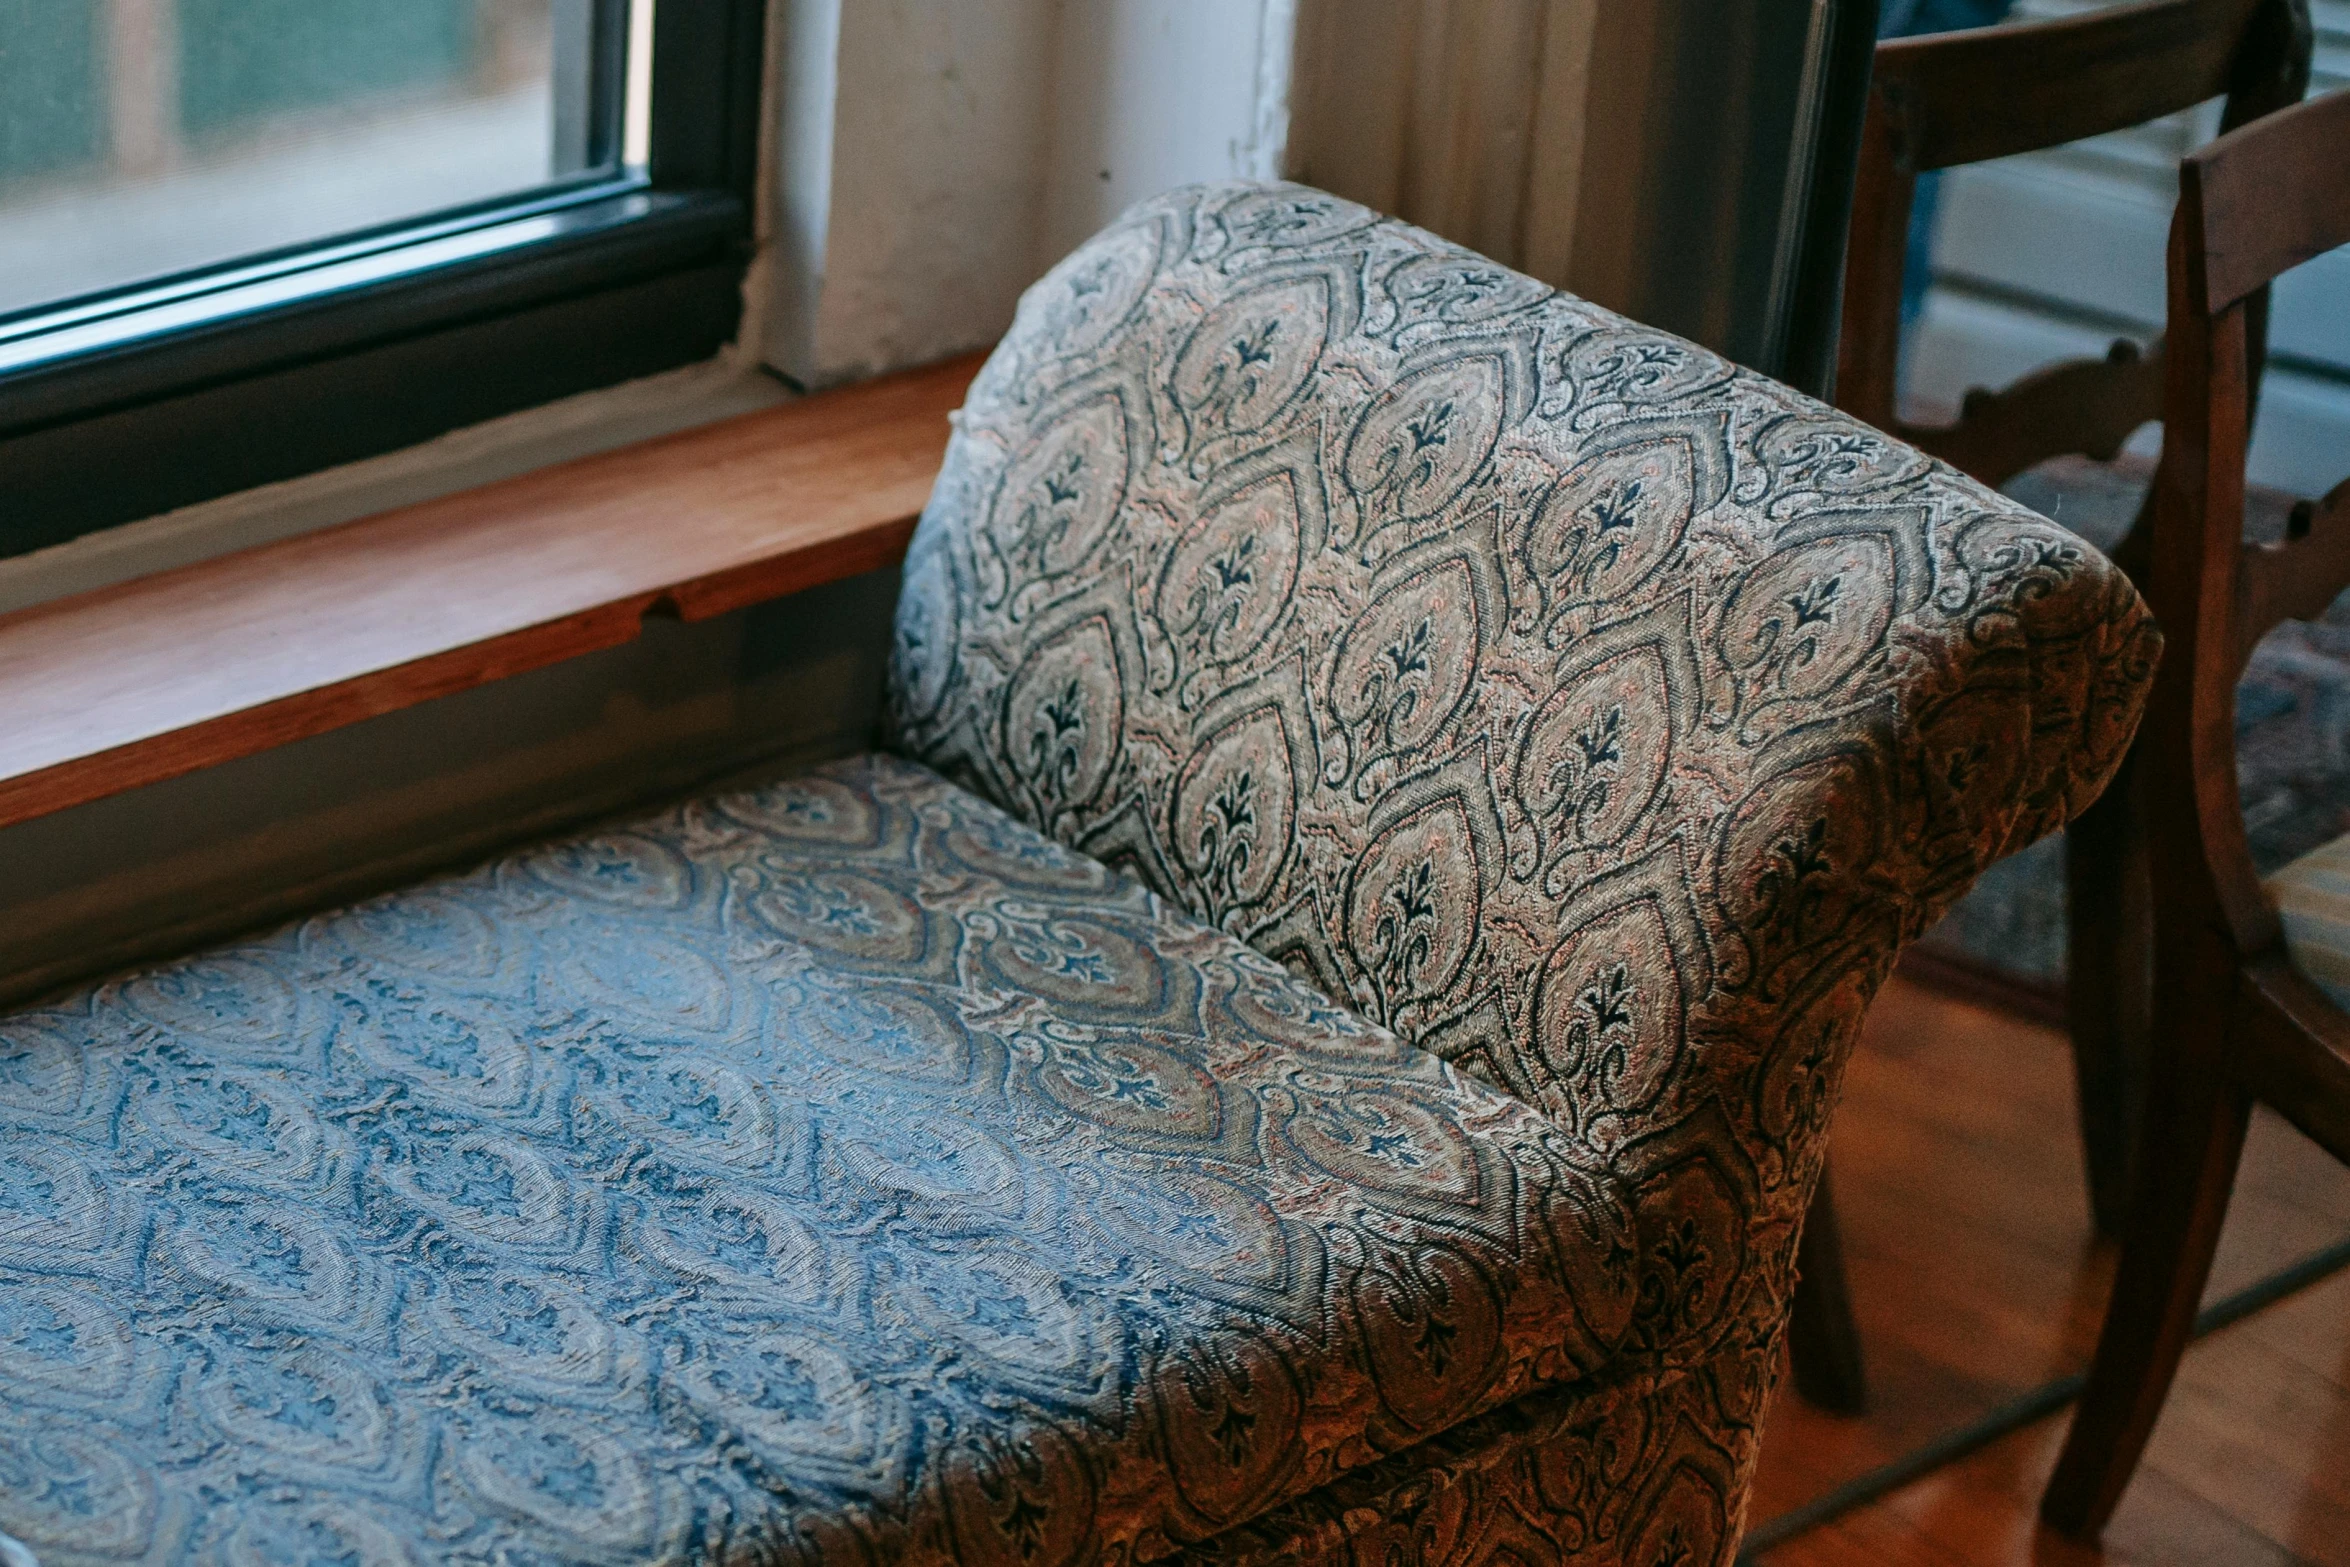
(2196, 1119)
(1823, 1340)
(2109, 982)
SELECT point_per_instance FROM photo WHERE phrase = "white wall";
(935, 156)
(1151, 94)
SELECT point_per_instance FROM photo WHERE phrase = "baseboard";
(1969, 979)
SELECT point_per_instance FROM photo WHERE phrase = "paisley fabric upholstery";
(842, 1171)
(1615, 1473)
(1459, 765)
(1594, 714)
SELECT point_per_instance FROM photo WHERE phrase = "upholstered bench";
(1314, 1044)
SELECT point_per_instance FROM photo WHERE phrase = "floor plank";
(1976, 1279)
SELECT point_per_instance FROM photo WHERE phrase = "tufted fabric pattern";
(840, 1172)
(1599, 716)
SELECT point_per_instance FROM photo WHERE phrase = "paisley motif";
(695, 1106)
(571, 1481)
(244, 1122)
(303, 1404)
(42, 1071)
(844, 915)
(1250, 356)
(641, 978)
(1797, 1090)
(1063, 714)
(1220, 1231)
(1413, 903)
(809, 810)
(67, 1492)
(48, 1202)
(1234, 809)
(803, 1406)
(897, 1031)
(1022, 1316)
(1433, 297)
(468, 1055)
(498, 1190)
(1130, 1083)
(344, 1532)
(1610, 1017)
(1279, 218)
(1080, 302)
(927, 631)
(1229, 581)
(1601, 375)
(929, 1161)
(1433, 1323)
(274, 1255)
(448, 940)
(1090, 964)
(1229, 1416)
(1790, 862)
(66, 1341)
(740, 1239)
(1419, 443)
(1388, 1140)
(1021, 861)
(1804, 619)
(1404, 666)
(1060, 496)
(224, 997)
(1607, 526)
(526, 1330)
(1020, 1498)
(1597, 753)
(617, 868)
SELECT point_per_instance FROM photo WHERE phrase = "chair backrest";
(1948, 99)
(1599, 715)
(2252, 205)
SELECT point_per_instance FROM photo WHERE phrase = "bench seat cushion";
(2313, 901)
(838, 1171)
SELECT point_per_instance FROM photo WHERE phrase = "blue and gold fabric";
(1315, 1050)
(2312, 896)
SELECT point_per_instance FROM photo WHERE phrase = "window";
(243, 239)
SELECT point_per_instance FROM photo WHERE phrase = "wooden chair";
(2238, 1019)
(1937, 102)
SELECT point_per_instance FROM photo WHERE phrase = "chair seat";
(839, 1170)
(2313, 900)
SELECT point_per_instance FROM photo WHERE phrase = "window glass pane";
(140, 138)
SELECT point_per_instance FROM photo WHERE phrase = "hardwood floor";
(1967, 1236)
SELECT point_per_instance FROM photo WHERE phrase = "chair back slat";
(2056, 81)
(2272, 195)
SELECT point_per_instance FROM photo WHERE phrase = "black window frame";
(274, 366)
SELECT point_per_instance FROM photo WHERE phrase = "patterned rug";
(2292, 737)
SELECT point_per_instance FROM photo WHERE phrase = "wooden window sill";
(193, 667)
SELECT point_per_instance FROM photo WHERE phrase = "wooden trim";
(2271, 193)
(186, 669)
(2059, 80)
(1971, 980)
